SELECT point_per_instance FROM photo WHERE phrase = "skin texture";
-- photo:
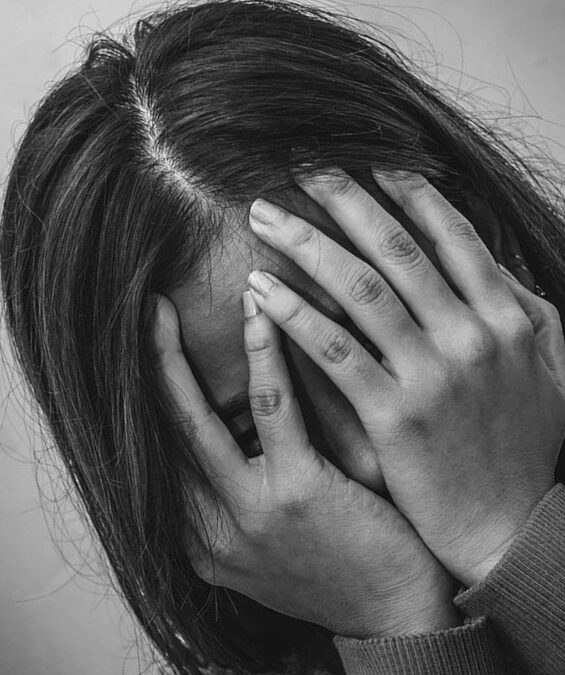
(439, 410)
(465, 449)
(287, 528)
(210, 312)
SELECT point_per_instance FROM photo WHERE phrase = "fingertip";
(255, 319)
(259, 332)
(250, 307)
(388, 180)
(253, 329)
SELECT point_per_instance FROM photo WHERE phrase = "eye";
(249, 442)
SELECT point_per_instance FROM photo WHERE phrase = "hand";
(287, 528)
(466, 411)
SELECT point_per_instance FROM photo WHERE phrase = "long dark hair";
(123, 179)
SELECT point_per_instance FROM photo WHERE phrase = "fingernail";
(250, 307)
(261, 282)
(263, 211)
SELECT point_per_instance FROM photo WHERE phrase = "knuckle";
(522, 334)
(343, 187)
(296, 312)
(337, 346)
(366, 287)
(291, 503)
(399, 420)
(254, 525)
(186, 424)
(294, 496)
(551, 313)
(302, 234)
(399, 246)
(458, 227)
(413, 189)
(477, 345)
(417, 425)
(259, 345)
(452, 222)
(265, 401)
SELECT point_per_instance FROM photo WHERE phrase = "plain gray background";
(53, 621)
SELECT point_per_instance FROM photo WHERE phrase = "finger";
(274, 407)
(378, 236)
(357, 374)
(213, 443)
(358, 288)
(547, 326)
(462, 253)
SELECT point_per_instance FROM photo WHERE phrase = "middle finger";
(379, 237)
(361, 379)
(357, 287)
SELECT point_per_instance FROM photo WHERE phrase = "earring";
(538, 290)
(521, 263)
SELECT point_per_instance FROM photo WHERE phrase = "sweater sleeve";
(523, 597)
(470, 649)
(524, 594)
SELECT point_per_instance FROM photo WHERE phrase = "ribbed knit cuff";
(524, 593)
(462, 650)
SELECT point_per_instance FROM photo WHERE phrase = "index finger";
(276, 412)
(214, 445)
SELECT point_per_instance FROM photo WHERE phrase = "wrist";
(496, 545)
(426, 620)
(420, 609)
(477, 573)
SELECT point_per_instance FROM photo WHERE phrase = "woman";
(332, 531)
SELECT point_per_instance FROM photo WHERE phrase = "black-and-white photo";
(282, 362)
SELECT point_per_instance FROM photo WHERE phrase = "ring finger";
(358, 288)
(353, 370)
(386, 244)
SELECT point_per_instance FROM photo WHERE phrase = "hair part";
(129, 171)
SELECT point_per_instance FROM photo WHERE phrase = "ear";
(500, 238)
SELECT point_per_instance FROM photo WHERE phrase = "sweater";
(515, 616)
